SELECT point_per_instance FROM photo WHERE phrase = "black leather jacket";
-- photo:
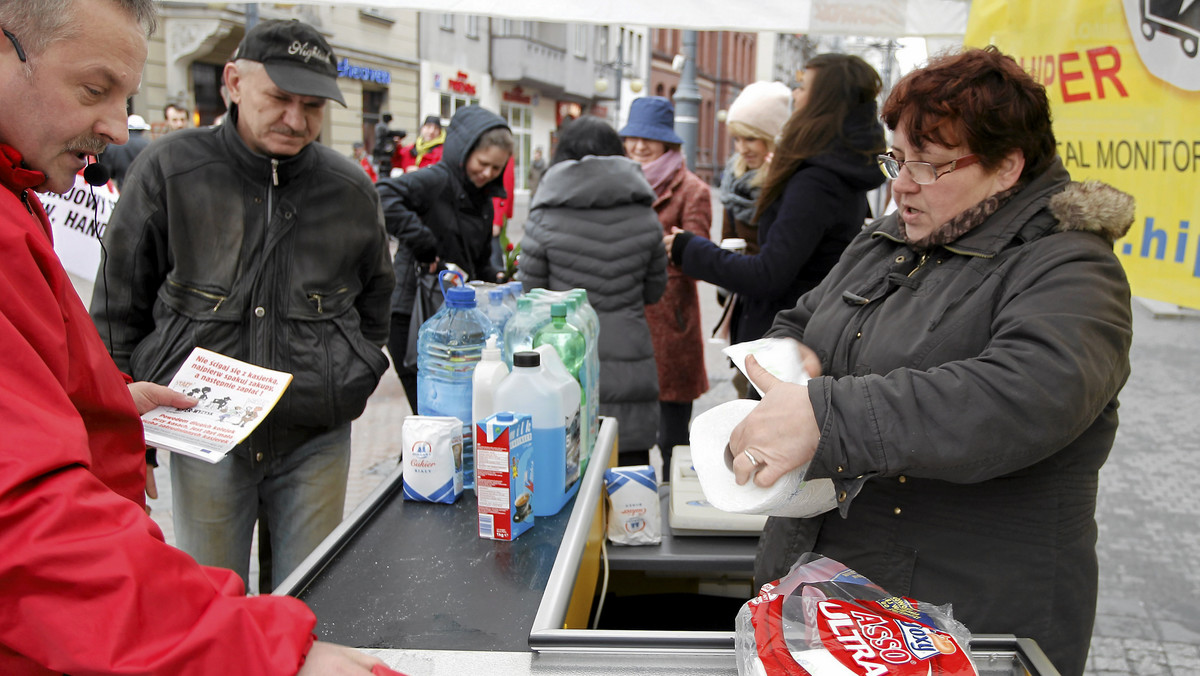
(280, 263)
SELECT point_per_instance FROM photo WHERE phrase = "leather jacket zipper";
(203, 294)
(274, 172)
(920, 264)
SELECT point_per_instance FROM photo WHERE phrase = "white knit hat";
(762, 105)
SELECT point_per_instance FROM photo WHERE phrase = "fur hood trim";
(1093, 206)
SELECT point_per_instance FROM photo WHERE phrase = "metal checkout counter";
(414, 583)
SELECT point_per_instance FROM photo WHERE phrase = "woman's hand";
(669, 240)
(331, 659)
(781, 433)
(149, 396)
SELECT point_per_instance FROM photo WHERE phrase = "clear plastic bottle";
(530, 390)
(497, 312)
(449, 345)
(521, 327)
(587, 316)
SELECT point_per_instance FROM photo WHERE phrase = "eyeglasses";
(922, 173)
(16, 45)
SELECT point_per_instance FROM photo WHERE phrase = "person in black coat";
(443, 214)
(812, 203)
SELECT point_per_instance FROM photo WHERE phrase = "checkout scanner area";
(413, 583)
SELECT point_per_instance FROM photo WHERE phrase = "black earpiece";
(96, 174)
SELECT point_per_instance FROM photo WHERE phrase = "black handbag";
(427, 300)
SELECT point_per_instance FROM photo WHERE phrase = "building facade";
(376, 50)
(726, 62)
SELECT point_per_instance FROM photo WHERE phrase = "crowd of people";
(965, 351)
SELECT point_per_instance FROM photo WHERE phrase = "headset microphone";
(96, 174)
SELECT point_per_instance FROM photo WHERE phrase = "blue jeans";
(302, 494)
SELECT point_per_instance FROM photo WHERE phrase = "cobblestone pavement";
(1148, 620)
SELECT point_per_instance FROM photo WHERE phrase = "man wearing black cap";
(426, 150)
(250, 240)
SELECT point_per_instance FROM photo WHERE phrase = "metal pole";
(687, 101)
(251, 15)
(620, 71)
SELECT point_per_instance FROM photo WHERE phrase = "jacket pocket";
(334, 371)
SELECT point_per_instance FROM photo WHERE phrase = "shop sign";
(355, 72)
(457, 84)
(516, 95)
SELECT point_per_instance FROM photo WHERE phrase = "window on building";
(473, 27)
(580, 47)
(520, 120)
(452, 102)
(601, 43)
(446, 22)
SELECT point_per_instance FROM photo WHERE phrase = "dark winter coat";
(591, 227)
(282, 263)
(967, 402)
(437, 212)
(801, 234)
(675, 319)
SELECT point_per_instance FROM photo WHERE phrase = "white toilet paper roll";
(789, 496)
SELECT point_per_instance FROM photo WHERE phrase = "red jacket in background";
(405, 159)
(503, 206)
(87, 584)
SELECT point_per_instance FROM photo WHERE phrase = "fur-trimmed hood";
(1094, 206)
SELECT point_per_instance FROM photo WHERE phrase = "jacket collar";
(260, 167)
(14, 176)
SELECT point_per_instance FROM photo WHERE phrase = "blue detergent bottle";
(449, 345)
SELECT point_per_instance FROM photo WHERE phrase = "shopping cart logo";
(1167, 36)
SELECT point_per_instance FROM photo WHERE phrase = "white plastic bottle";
(573, 420)
(489, 373)
(529, 389)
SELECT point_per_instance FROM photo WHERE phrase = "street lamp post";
(687, 101)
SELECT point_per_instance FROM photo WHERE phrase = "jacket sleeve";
(133, 265)
(656, 274)
(806, 213)
(374, 303)
(404, 200)
(535, 268)
(88, 585)
(1057, 356)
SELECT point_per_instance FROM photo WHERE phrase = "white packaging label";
(432, 458)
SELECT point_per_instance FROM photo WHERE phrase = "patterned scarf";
(966, 221)
(660, 171)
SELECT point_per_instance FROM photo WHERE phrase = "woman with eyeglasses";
(967, 351)
(811, 204)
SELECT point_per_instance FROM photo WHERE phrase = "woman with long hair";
(755, 119)
(812, 203)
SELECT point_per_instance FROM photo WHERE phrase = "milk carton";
(504, 475)
(432, 458)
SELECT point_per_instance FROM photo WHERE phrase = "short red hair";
(979, 98)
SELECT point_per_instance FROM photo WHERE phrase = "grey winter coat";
(967, 401)
(591, 226)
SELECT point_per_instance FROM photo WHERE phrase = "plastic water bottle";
(521, 327)
(572, 396)
(515, 291)
(591, 382)
(497, 312)
(530, 390)
(449, 345)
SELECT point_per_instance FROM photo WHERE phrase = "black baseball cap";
(296, 57)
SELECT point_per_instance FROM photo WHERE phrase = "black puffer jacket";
(800, 235)
(437, 212)
(967, 401)
(592, 227)
(280, 263)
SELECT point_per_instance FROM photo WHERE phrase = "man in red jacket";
(87, 584)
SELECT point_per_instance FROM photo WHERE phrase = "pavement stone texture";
(1148, 619)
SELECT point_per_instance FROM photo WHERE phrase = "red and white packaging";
(504, 475)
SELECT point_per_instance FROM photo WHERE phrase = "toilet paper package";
(778, 356)
(791, 495)
(432, 458)
(633, 512)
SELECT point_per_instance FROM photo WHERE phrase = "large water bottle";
(449, 345)
(530, 390)
(497, 312)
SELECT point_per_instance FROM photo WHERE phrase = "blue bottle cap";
(460, 297)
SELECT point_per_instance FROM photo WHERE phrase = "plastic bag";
(824, 619)
(428, 298)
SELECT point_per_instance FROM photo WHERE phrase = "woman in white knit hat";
(755, 118)
(812, 203)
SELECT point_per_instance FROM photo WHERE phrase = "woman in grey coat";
(591, 226)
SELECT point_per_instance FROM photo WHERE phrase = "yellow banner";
(1123, 77)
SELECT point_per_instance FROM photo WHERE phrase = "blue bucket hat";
(652, 117)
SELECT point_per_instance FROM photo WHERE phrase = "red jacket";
(87, 584)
